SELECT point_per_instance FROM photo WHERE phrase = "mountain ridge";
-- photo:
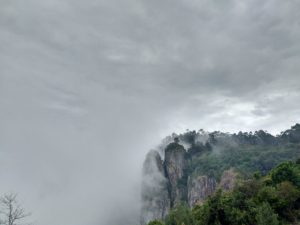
(191, 166)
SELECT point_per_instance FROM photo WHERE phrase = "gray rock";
(175, 165)
(155, 196)
(199, 188)
(228, 180)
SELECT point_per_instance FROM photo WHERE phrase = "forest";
(273, 199)
(264, 169)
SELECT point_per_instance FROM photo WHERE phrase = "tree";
(288, 194)
(156, 222)
(11, 213)
(266, 216)
(180, 215)
(286, 171)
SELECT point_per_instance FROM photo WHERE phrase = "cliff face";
(175, 165)
(199, 188)
(190, 174)
(228, 180)
(155, 196)
(168, 182)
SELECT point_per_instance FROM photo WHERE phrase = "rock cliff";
(155, 196)
(199, 188)
(192, 167)
(228, 180)
(175, 166)
(167, 183)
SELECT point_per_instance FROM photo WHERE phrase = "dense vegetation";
(245, 159)
(247, 152)
(273, 199)
(262, 196)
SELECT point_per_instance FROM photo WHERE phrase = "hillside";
(189, 167)
(273, 199)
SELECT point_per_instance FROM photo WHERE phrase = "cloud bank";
(87, 87)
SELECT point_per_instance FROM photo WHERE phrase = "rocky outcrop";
(175, 166)
(185, 174)
(228, 180)
(155, 196)
(199, 188)
(167, 182)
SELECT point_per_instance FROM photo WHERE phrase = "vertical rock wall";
(199, 188)
(228, 180)
(155, 196)
(175, 165)
(166, 183)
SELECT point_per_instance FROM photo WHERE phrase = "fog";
(88, 87)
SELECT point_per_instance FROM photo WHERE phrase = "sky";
(88, 87)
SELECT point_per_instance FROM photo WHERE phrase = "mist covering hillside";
(190, 167)
(87, 88)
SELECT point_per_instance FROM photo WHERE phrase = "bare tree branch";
(11, 213)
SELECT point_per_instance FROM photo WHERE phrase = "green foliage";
(246, 159)
(156, 222)
(287, 171)
(267, 194)
(201, 214)
(257, 175)
(266, 216)
(253, 201)
(210, 153)
(181, 214)
(264, 197)
(174, 146)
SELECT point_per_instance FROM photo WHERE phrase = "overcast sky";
(88, 87)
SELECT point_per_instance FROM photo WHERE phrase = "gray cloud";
(86, 88)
